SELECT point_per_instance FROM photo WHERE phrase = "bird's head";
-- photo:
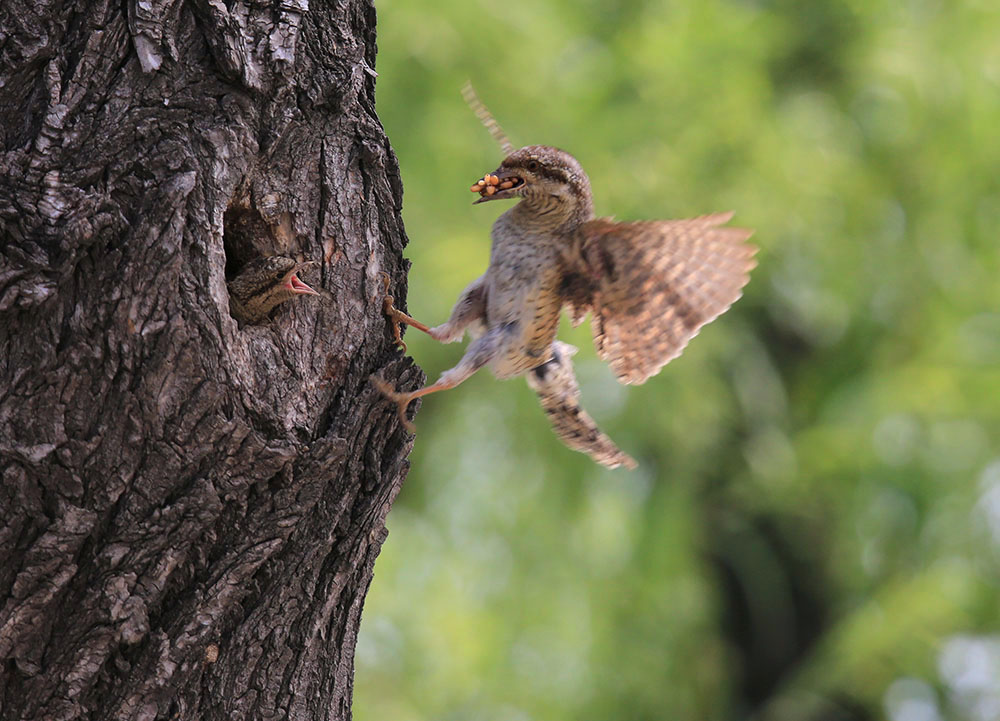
(550, 180)
(264, 283)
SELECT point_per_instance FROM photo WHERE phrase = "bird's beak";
(295, 284)
(498, 185)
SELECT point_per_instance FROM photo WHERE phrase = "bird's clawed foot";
(402, 400)
(396, 317)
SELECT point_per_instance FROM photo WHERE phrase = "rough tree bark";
(190, 511)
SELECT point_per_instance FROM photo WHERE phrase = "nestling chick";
(650, 287)
(263, 284)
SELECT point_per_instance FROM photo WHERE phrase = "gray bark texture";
(190, 511)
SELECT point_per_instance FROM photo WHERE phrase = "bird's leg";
(469, 310)
(396, 316)
(480, 352)
(403, 400)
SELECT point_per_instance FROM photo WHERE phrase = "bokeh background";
(814, 530)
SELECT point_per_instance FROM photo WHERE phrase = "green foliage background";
(814, 530)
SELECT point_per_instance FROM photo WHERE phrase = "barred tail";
(559, 393)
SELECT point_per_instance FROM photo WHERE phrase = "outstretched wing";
(652, 285)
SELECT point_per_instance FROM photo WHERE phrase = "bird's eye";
(532, 165)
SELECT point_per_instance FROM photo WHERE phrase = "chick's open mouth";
(489, 185)
(294, 284)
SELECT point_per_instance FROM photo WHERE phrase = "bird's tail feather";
(559, 394)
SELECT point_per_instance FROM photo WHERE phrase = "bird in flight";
(649, 286)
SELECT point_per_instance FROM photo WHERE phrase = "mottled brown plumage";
(263, 284)
(654, 284)
(559, 395)
(650, 286)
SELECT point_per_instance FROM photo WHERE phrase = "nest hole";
(245, 234)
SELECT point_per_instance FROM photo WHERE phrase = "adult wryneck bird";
(649, 285)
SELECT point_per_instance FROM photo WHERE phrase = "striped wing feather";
(652, 285)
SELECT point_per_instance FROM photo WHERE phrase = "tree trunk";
(190, 510)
